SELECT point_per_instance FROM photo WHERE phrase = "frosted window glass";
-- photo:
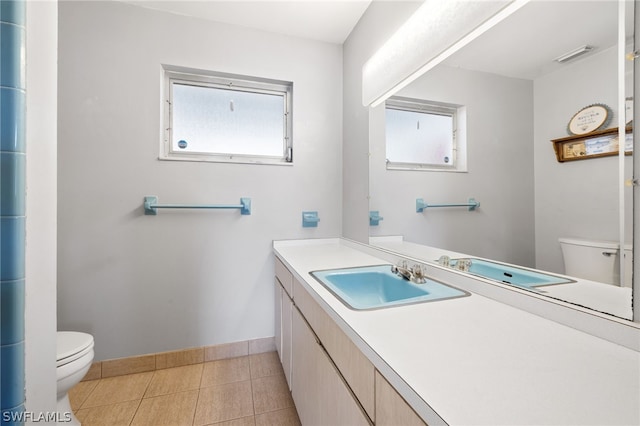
(419, 138)
(224, 121)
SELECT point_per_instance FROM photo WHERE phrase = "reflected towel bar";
(421, 205)
(151, 204)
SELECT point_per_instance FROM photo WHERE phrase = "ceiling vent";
(574, 53)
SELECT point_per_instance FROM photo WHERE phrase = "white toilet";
(74, 358)
(595, 260)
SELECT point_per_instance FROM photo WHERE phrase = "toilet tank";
(591, 259)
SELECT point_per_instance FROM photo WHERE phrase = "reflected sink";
(513, 275)
(375, 287)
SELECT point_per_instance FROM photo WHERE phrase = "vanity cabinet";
(283, 309)
(332, 382)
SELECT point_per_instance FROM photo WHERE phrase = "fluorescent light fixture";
(434, 32)
(574, 53)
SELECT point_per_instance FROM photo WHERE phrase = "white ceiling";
(526, 43)
(324, 20)
(522, 46)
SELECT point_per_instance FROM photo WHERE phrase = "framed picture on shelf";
(601, 143)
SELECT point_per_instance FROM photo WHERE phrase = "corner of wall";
(40, 261)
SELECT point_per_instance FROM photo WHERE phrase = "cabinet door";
(319, 392)
(287, 308)
(354, 366)
(304, 384)
(277, 297)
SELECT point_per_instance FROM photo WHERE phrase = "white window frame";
(459, 132)
(201, 78)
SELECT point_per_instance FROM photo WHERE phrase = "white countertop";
(476, 361)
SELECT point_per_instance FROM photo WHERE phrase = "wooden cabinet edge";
(391, 407)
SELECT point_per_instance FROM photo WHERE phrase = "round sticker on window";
(182, 144)
(446, 160)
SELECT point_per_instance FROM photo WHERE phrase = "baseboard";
(189, 356)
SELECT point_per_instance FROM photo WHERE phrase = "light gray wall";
(500, 171)
(579, 198)
(378, 23)
(40, 261)
(184, 278)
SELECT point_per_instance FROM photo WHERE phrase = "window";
(220, 117)
(423, 135)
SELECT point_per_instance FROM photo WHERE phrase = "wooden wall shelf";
(602, 143)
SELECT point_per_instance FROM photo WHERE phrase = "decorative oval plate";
(589, 119)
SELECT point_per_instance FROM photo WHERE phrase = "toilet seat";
(72, 345)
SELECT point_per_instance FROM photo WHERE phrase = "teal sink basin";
(510, 274)
(375, 287)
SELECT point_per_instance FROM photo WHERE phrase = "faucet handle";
(419, 273)
(463, 265)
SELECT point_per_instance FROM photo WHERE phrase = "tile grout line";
(89, 395)
(253, 401)
(136, 412)
(148, 385)
(195, 411)
(141, 398)
(83, 401)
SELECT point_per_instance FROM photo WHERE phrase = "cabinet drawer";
(284, 276)
(391, 408)
(354, 366)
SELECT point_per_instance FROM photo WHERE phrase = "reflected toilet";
(595, 260)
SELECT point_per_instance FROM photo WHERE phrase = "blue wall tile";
(10, 417)
(12, 11)
(12, 183)
(12, 230)
(12, 207)
(12, 372)
(11, 312)
(12, 124)
(12, 56)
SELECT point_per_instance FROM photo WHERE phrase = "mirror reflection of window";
(421, 135)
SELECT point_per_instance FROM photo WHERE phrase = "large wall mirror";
(515, 98)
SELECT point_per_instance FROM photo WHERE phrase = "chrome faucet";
(415, 273)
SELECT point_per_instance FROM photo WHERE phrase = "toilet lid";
(71, 345)
(613, 245)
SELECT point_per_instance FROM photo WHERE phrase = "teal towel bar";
(421, 205)
(151, 205)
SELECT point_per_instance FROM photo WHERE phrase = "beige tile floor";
(249, 390)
